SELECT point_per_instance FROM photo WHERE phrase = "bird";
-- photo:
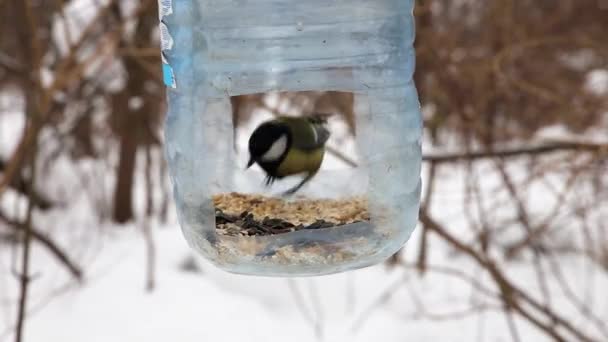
(287, 146)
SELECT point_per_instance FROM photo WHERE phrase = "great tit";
(288, 146)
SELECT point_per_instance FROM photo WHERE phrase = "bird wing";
(322, 134)
(307, 135)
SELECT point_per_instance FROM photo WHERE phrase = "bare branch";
(49, 244)
(519, 152)
(511, 294)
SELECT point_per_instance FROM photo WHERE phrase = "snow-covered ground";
(202, 303)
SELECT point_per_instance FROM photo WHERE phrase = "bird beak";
(251, 161)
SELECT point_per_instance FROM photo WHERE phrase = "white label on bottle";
(166, 41)
(165, 7)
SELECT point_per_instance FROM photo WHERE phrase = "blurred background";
(512, 243)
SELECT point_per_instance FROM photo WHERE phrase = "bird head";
(269, 143)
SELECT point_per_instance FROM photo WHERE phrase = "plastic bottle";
(215, 49)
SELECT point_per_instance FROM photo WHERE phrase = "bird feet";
(269, 180)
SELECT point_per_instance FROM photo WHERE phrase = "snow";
(113, 306)
(597, 81)
(12, 121)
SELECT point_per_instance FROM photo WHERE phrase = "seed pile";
(254, 215)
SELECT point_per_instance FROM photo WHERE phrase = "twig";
(67, 34)
(524, 218)
(52, 247)
(166, 191)
(517, 152)
(515, 247)
(147, 229)
(570, 294)
(458, 314)
(32, 110)
(510, 293)
(428, 194)
(300, 304)
(459, 274)
(512, 326)
(36, 307)
(24, 276)
(318, 308)
(382, 298)
(521, 83)
(343, 157)
(20, 185)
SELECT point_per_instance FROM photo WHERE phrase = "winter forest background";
(512, 243)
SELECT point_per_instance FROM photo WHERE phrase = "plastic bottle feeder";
(362, 205)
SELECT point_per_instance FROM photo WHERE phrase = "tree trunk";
(136, 109)
(123, 193)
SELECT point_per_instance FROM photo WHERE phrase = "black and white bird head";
(269, 144)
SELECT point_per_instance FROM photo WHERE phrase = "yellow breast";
(298, 161)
